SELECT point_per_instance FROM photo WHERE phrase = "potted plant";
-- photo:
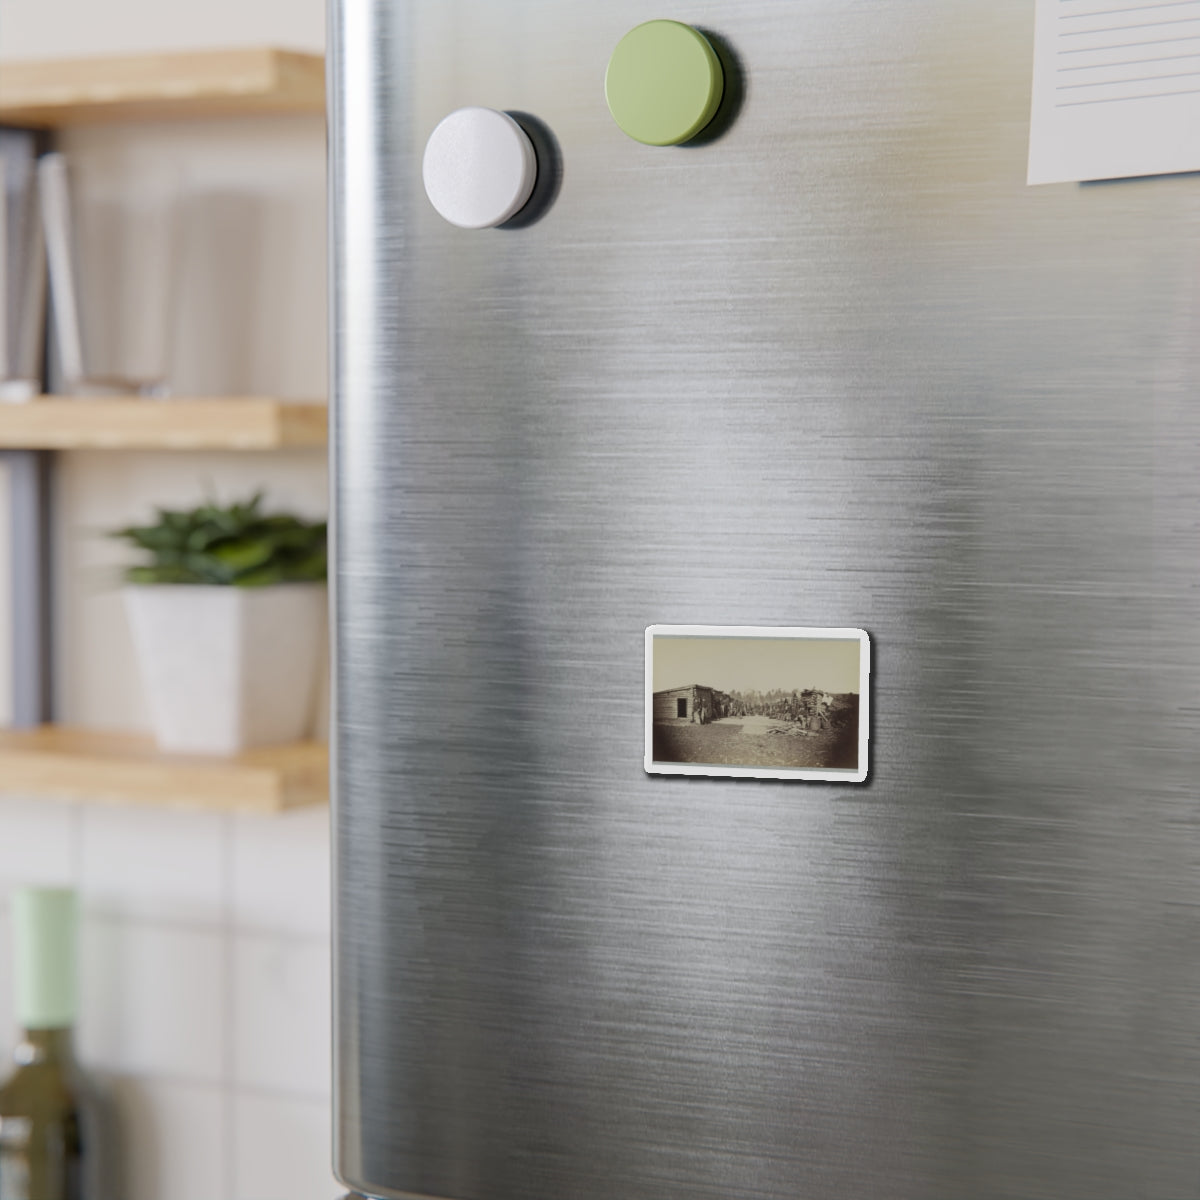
(228, 622)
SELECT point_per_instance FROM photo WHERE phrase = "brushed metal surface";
(837, 367)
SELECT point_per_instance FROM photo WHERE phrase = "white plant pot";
(227, 668)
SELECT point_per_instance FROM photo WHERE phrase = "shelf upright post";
(29, 476)
(29, 473)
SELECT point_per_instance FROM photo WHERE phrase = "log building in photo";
(697, 704)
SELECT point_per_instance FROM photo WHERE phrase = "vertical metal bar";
(6, 272)
(30, 471)
(30, 567)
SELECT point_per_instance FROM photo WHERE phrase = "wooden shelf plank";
(79, 764)
(213, 83)
(228, 423)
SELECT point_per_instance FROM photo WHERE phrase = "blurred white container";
(112, 240)
(228, 668)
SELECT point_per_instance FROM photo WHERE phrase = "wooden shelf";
(78, 764)
(216, 83)
(229, 423)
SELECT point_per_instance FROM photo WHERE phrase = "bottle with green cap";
(44, 1124)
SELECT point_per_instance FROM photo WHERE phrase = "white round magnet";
(479, 168)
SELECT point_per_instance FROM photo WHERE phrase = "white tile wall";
(282, 1150)
(292, 896)
(282, 1015)
(205, 977)
(38, 843)
(154, 864)
(171, 1142)
(156, 1000)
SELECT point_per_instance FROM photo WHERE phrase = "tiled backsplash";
(205, 988)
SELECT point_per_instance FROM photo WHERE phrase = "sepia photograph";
(758, 703)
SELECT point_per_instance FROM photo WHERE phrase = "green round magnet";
(664, 83)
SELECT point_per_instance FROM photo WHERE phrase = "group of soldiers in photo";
(810, 708)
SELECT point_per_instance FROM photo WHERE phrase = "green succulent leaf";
(263, 577)
(237, 545)
(161, 574)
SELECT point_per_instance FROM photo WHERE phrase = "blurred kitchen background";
(205, 955)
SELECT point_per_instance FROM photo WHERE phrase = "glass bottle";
(42, 1130)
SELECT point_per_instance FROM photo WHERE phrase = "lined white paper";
(1116, 89)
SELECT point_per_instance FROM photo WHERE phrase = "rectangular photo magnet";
(754, 702)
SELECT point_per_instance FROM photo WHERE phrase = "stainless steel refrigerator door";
(837, 367)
